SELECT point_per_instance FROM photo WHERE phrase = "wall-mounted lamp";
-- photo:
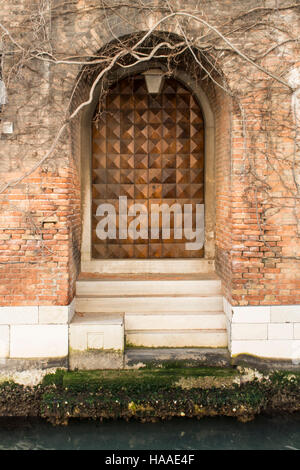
(7, 127)
(154, 80)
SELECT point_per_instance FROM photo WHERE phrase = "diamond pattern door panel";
(149, 148)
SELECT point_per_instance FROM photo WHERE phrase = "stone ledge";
(96, 359)
(136, 358)
(97, 331)
(19, 315)
(56, 314)
(37, 314)
(42, 363)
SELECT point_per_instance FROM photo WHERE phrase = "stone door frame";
(206, 264)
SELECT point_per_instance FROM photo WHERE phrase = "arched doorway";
(146, 265)
(148, 149)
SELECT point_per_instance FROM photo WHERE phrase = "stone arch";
(81, 143)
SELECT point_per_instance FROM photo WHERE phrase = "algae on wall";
(153, 394)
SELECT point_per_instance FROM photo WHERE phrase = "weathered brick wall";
(40, 217)
(224, 204)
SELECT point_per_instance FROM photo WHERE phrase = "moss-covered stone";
(149, 395)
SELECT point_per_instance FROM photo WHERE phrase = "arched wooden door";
(149, 148)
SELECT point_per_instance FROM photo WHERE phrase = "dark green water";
(178, 434)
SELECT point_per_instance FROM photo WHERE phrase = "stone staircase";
(158, 311)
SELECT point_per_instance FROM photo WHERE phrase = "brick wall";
(224, 203)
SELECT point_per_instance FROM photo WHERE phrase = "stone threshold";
(148, 277)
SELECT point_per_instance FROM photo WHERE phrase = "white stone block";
(280, 331)
(276, 349)
(176, 321)
(97, 331)
(55, 314)
(33, 341)
(141, 266)
(245, 331)
(296, 352)
(296, 330)
(285, 313)
(228, 328)
(95, 340)
(86, 288)
(149, 304)
(18, 315)
(178, 339)
(251, 314)
(71, 310)
(227, 308)
(4, 341)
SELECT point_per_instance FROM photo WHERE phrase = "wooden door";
(149, 148)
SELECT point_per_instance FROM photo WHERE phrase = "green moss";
(142, 379)
(54, 379)
(5, 381)
(164, 402)
(152, 394)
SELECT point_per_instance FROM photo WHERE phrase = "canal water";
(178, 434)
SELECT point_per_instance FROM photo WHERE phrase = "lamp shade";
(154, 80)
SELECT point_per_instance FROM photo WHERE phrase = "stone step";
(150, 266)
(177, 338)
(96, 331)
(105, 318)
(186, 357)
(96, 287)
(178, 320)
(96, 341)
(143, 304)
